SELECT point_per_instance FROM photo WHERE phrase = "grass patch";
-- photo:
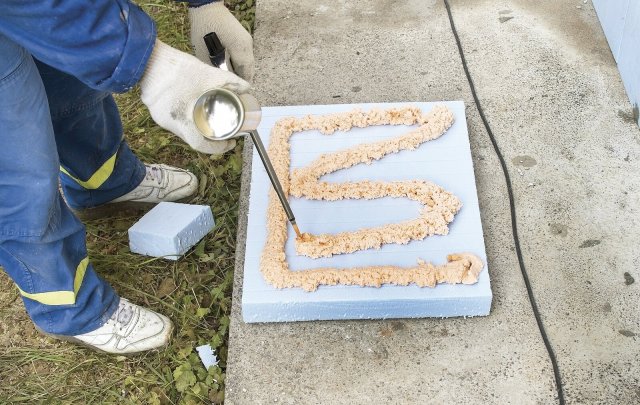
(194, 292)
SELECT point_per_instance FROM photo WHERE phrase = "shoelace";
(123, 315)
(154, 173)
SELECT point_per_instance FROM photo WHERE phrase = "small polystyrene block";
(169, 230)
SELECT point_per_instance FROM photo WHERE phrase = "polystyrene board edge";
(158, 254)
(612, 15)
(373, 309)
(205, 218)
(629, 60)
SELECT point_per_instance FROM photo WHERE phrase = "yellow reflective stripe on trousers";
(100, 176)
(61, 297)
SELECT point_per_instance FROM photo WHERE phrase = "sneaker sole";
(79, 342)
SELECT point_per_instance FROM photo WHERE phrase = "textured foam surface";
(170, 229)
(445, 161)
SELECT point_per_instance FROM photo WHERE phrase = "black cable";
(505, 171)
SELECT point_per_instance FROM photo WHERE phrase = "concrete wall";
(621, 23)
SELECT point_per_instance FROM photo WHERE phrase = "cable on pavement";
(505, 171)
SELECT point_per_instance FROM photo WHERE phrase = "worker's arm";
(172, 83)
(110, 45)
(104, 43)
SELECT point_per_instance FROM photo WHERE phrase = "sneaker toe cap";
(152, 331)
(182, 185)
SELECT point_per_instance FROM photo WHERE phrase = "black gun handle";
(217, 52)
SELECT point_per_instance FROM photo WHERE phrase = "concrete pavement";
(553, 96)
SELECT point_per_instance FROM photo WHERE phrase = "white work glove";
(214, 17)
(171, 84)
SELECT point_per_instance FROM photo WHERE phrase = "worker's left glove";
(171, 84)
(214, 17)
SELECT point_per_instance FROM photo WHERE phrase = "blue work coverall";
(60, 60)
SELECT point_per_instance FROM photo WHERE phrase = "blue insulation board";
(620, 21)
(612, 15)
(445, 161)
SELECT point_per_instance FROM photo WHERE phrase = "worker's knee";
(29, 206)
(67, 95)
(13, 55)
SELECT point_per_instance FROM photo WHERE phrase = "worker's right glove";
(171, 84)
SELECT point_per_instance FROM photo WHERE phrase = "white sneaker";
(131, 329)
(162, 183)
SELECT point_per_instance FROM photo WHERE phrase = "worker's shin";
(42, 244)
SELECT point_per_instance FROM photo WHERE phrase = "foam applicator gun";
(218, 55)
(221, 114)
